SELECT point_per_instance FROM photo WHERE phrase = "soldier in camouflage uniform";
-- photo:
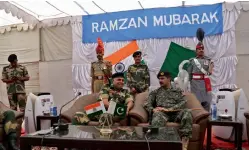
(101, 70)
(14, 75)
(167, 104)
(199, 70)
(10, 127)
(115, 93)
(138, 76)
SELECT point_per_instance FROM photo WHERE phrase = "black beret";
(12, 58)
(136, 53)
(118, 74)
(163, 73)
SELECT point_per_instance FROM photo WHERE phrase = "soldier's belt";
(199, 76)
(99, 77)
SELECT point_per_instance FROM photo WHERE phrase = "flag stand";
(106, 131)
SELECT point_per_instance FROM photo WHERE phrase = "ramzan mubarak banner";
(153, 23)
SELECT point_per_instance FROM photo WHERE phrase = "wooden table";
(238, 127)
(88, 137)
(53, 119)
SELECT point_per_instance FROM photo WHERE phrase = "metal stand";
(106, 131)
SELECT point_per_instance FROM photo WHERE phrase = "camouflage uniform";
(108, 92)
(198, 85)
(100, 73)
(9, 122)
(10, 127)
(171, 99)
(16, 90)
(138, 77)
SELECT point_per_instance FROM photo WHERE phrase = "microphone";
(62, 126)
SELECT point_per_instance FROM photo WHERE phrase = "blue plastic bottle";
(214, 111)
(51, 111)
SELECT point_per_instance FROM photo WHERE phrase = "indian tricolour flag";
(95, 109)
(124, 55)
(169, 60)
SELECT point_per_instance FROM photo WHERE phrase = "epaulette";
(206, 57)
(107, 61)
(191, 59)
(177, 89)
(124, 90)
(22, 67)
(155, 91)
(130, 66)
(5, 67)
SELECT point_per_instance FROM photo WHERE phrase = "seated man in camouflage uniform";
(114, 92)
(10, 125)
(168, 105)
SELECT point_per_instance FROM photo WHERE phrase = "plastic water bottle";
(214, 111)
(53, 110)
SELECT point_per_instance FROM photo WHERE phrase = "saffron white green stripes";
(95, 109)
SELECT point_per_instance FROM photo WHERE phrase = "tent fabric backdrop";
(221, 48)
(56, 78)
(55, 43)
(24, 44)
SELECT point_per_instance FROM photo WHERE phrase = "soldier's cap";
(163, 73)
(12, 58)
(137, 53)
(118, 74)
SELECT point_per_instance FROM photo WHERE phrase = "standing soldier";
(199, 70)
(138, 76)
(10, 127)
(14, 75)
(101, 70)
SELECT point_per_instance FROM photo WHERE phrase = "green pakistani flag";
(176, 54)
(117, 109)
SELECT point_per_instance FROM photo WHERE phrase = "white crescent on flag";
(120, 109)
